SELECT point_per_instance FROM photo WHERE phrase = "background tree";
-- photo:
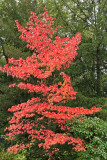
(89, 18)
(9, 12)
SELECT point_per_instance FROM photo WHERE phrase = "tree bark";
(4, 54)
(98, 72)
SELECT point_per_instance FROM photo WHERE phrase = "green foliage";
(86, 102)
(3, 121)
(2, 61)
(16, 52)
(11, 10)
(4, 155)
(10, 96)
(94, 132)
(103, 114)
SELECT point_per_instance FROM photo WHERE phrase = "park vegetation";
(41, 116)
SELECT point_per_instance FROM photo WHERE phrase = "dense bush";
(94, 131)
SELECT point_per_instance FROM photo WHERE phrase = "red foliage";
(48, 55)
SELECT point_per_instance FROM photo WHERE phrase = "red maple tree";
(37, 116)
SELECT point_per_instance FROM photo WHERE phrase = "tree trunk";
(4, 54)
(98, 72)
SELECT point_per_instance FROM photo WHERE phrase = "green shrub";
(94, 132)
(4, 155)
